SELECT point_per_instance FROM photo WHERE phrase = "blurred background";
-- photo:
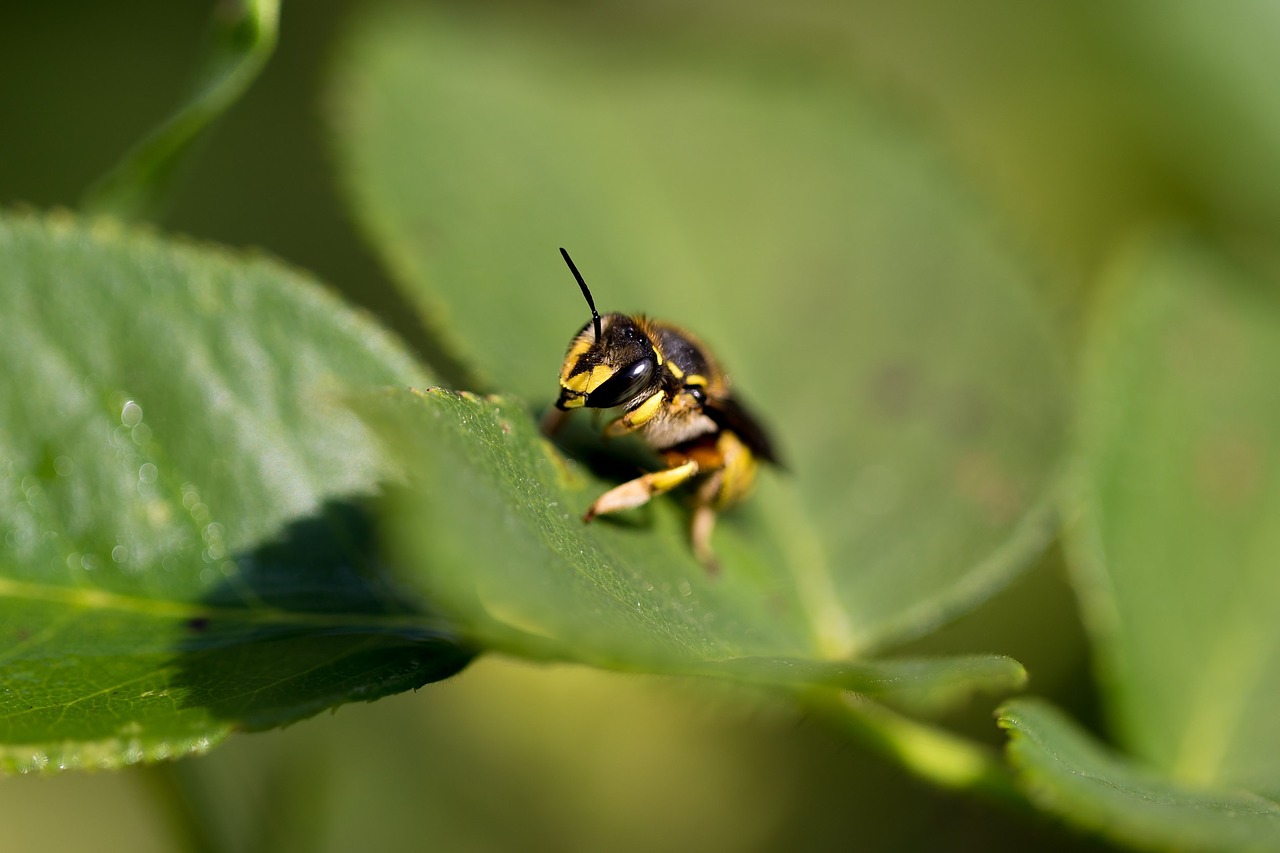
(1082, 123)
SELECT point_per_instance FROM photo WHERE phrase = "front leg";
(637, 492)
(552, 420)
(637, 417)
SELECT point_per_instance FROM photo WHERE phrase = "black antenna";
(595, 315)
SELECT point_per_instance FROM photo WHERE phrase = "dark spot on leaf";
(198, 624)
(981, 479)
(966, 415)
(894, 389)
(1230, 468)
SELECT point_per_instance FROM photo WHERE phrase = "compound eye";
(623, 385)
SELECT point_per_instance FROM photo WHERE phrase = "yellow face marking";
(588, 380)
(675, 371)
(577, 383)
(647, 409)
(576, 351)
(695, 379)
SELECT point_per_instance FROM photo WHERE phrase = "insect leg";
(552, 420)
(704, 521)
(638, 491)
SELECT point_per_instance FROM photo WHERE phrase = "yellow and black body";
(674, 395)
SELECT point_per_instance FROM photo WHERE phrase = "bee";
(674, 394)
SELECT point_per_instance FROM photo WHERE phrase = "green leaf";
(1198, 81)
(926, 686)
(242, 38)
(1067, 772)
(182, 500)
(489, 525)
(1176, 546)
(857, 294)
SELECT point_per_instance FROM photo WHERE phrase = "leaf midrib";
(829, 623)
(87, 598)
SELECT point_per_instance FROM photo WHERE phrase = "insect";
(670, 391)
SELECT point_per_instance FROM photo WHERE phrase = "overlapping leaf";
(1174, 549)
(185, 545)
(856, 293)
(489, 526)
(1067, 772)
(1179, 491)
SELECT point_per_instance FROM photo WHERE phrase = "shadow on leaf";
(307, 621)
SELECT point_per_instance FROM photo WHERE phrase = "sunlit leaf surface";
(185, 544)
(860, 299)
(488, 525)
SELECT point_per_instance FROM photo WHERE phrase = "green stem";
(930, 753)
(137, 187)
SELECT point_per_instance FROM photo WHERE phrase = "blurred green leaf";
(1068, 773)
(1176, 545)
(862, 300)
(186, 550)
(490, 527)
(928, 686)
(1201, 80)
(242, 38)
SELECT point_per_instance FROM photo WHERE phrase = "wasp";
(676, 397)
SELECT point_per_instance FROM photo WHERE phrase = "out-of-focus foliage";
(1068, 773)
(242, 39)
(805, 171)
(1173, 536)
(1180, 485)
